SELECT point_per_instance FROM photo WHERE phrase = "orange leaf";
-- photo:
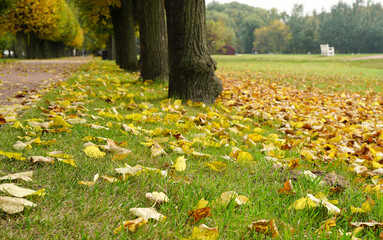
(199, 214)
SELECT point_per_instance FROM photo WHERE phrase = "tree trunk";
(191, 74)
(124, 35)
(21, 45)
(153, 45)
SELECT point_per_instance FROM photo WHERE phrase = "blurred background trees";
(51, 28)
(350, 28)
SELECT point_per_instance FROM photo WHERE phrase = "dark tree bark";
(124, 35)
(191, 69)
(153, 45)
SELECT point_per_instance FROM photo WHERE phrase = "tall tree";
(124, 35)
(273, 38)
(153, 45)
(191, 69)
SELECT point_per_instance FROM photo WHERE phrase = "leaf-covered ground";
(275, 157)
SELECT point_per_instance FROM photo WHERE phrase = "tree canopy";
(47, 19)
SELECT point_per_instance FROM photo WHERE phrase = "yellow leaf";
(58, 121)
(13, 155)
(180, 164)
(303, 203)
(110, 179)
(203, 232)
(255, 137)
(93, 152)
(202, 203)
(131, 225)
(90, 183)
(244, 157)
(217, 166)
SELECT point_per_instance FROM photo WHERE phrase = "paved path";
(20, 79)
(366, 58)
(22, 83)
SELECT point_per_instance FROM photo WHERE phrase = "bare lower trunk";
(154, 50)
(124, 35)
(191, 74)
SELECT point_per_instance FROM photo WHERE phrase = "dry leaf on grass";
(366, 206)
(227, 197)
(265, 227)
(203, 232)
(13, 205)
(16, 191)
(199, 214)
(180, 164)
(26, 176)
(287, 188)
(90, 183)
(217, 166)
(94, 152)
(147, 213)
(131, 225)
(311, 201)
(157, 197)
(40, 159)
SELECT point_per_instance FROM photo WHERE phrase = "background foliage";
(350, 28)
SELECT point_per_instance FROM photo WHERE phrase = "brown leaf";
(199, 214)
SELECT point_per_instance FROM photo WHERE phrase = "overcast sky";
(287, 5)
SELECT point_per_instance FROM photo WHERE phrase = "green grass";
(336, 73)
(73, 211)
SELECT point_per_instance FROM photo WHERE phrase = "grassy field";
(310, 70)
(278, 117)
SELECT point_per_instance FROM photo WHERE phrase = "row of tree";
(350, 28)
(43, 28)
(176, 51)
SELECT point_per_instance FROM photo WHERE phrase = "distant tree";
(43, 27)
(304, 31)
(273, 38)
(218, 35)
(246, 31)
(356, 28)
(243, 19)
(191, 69)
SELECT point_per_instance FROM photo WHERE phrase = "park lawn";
(268, 127)
(336, 73)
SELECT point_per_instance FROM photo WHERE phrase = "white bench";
(326, 50)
